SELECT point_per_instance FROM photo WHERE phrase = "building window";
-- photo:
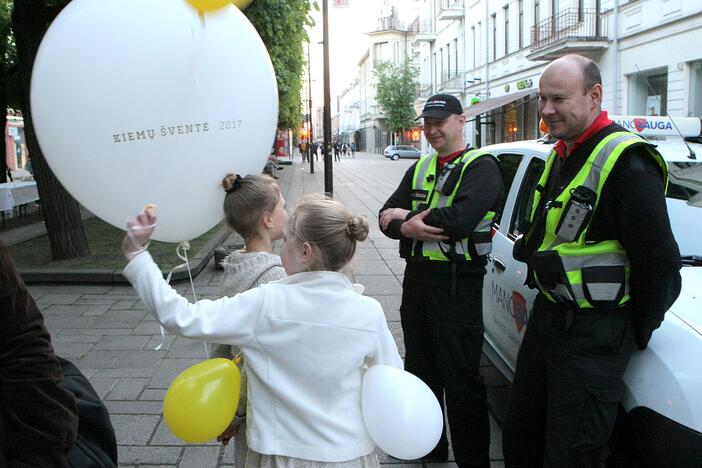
(479, 42)
(695, 89)
(512, 119)
(441, 65)
(531, 119)
(537, 12)
(506, 11)
(436, 78)
(448, 59)
(493, 17)
(520, 33)
(648, 92)
(455, 53)
(472, 33)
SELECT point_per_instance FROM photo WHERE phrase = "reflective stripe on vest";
(595, 273)
(480, 239)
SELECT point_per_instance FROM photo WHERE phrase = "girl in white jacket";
(306, 339)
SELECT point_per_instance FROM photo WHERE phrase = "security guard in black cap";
(442, 213)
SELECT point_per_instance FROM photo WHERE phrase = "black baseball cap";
(440, 106)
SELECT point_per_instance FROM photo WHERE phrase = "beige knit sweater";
(243, 271)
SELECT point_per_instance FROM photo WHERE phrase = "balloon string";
(182, 253)
(198, 41)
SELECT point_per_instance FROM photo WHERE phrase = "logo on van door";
(519, 310)
(515, 305)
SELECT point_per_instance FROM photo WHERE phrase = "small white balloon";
(401, 413)
(138, 102)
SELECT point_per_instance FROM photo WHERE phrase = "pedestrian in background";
(605, 276)
(442, 213)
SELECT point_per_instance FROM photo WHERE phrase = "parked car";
(396, 152)
(660, 421)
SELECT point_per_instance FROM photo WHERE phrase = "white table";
(13, 194)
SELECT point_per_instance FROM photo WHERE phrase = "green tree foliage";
(395, 93)
(281, 25)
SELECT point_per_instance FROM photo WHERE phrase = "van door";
(506, 300)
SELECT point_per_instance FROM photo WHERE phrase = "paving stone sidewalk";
(107, 332)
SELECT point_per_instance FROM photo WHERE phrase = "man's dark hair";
(591, 75)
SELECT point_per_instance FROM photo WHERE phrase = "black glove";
(642, 335)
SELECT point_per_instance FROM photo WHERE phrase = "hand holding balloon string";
(139, 230)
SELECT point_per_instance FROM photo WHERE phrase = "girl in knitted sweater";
(306, 339)
(254, 208)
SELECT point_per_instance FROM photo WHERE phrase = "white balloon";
(401, 413)
(137, 102)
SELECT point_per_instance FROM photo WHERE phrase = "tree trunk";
(67, 238)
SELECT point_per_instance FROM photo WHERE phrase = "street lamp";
(309, 115)
(328, 175)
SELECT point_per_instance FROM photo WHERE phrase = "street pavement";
(107, 332)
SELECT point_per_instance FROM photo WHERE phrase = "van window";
(525, 199)
(509, 163)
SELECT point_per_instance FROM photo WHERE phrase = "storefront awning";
(494, 103)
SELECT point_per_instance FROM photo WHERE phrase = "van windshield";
(685, 205)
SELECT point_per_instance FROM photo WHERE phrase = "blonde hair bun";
(231, 182)
(358, 228)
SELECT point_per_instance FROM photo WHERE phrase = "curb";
(197, 264)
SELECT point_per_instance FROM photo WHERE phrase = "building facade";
(491, 53)
(390, 41)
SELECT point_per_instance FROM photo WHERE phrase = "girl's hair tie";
(235, 184)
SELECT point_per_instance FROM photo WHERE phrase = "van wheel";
(395, 157)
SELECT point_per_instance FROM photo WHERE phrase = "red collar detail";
(598, 124)
(449, 158)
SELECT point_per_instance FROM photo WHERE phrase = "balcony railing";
(452, 80)
(451, 5)
(422, 90)
(387, 23)
(423, 27)
(425, 90)
(569, 24)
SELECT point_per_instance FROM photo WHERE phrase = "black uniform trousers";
(567, 386)
(443, 334)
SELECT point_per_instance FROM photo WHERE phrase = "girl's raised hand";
(139, 230)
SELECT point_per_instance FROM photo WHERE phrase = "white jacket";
(306, 340)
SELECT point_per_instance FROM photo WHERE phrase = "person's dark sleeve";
(401, 198)
(643, 228)
(39, 418)
(478, 193)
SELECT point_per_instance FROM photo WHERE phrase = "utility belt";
(448, 272)
(598, 281)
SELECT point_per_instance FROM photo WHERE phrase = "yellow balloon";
(209, 5)
(242, 4)
(201, 402)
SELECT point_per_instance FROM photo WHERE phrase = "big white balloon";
(401, 413)
(138, 102)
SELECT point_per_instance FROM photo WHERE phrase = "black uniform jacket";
(479, 192)
(633, 211)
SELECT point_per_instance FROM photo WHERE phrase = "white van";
(660, 420)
